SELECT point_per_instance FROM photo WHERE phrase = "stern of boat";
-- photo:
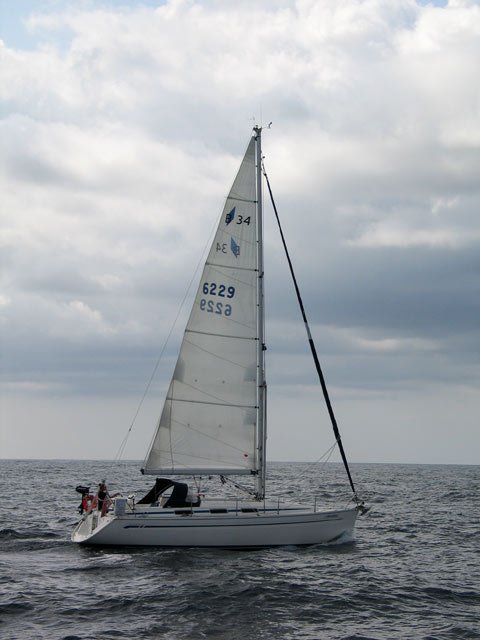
(90, 525)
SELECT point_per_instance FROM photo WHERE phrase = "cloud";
(123, 127)
(391, 236)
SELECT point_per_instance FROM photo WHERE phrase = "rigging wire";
(182, 304)
(312, 345)
(226, 479)
(327, 455)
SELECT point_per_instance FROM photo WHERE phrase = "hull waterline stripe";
(230, 525)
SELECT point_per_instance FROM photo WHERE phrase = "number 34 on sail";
(213, 421)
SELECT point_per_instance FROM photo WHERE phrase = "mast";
(261, 384)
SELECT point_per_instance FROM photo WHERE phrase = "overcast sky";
(122, 126)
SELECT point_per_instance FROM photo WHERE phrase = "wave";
(439, 593)
(28, 534)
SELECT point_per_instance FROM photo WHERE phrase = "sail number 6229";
(213, 289)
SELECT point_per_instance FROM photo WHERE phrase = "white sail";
(209, 419)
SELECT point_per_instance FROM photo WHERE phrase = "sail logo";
(235, 248)
(230, 216)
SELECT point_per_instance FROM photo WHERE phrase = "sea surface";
(412, 572)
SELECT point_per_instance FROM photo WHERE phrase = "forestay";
(208, 422)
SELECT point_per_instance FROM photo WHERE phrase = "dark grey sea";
(413, 571)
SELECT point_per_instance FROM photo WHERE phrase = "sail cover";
(208, 422)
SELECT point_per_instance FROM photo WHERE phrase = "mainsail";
(209, 420)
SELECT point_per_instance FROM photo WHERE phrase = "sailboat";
(213, 421)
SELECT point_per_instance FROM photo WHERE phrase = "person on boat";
(102, 493)
(103, 497)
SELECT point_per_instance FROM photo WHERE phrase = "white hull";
(200, 528)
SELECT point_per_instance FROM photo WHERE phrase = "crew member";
(102, 493)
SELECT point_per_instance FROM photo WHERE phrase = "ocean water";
(413, 571)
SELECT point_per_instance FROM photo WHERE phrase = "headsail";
(209, 419)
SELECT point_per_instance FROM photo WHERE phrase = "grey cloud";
(120, 144)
